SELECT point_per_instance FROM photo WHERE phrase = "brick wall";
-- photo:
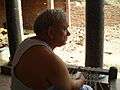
(2, 13)
(31, 8)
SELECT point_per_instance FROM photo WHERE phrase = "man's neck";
(46, 40)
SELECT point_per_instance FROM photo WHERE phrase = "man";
(35, 65)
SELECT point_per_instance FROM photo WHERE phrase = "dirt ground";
(74, 51)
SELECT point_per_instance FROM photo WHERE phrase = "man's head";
(52, 24)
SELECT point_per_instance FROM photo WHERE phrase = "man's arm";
(59, 74)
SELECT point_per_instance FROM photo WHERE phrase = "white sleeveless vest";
(24, 46)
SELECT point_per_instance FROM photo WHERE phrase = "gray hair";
(50, 17)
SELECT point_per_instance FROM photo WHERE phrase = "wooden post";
(68, 12)
(14, 24)
(94, 33)
(51, 4)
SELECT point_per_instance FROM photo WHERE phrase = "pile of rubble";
(3, 38)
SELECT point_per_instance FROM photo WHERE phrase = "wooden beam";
(14, 24)
(68, 12)
(51, 4)
(94, 33)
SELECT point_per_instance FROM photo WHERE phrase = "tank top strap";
(24, 46)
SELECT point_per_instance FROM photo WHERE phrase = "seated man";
(36, 66)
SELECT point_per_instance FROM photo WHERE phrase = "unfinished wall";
(2, 13)
(30, 10)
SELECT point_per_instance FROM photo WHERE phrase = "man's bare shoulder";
(43, 54)
(39, 51)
